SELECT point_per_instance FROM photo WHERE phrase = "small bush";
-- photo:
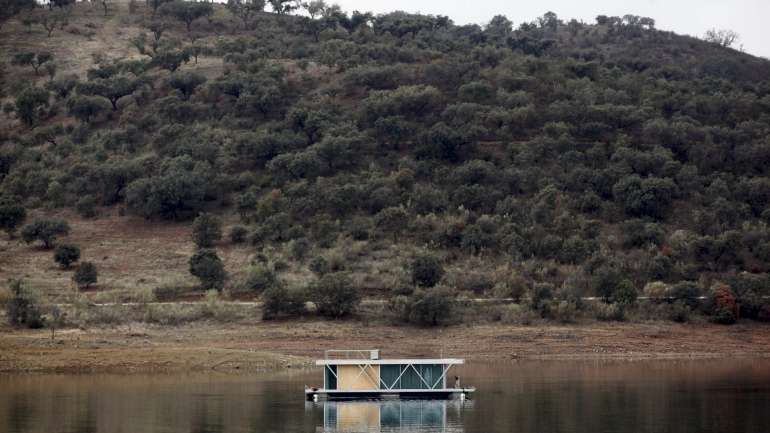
(208, 267)
(515, 314)
(426, 270)
(206, 230)
(686, 292)
(430, 306)
(86, 207)
(565, 312)
(298, 248)
(282, 302)
(656, 290)
(12, 215)
(86, 274)
(319, 266)
(238, 234)
(478, 282)
(66, 254)
(45, 230)
(724, 317)
(260, 278)
(624, 294)
(170, 291)
(680, 312)
(511, 286)
(23, 309)
(335, 296)
(609, 312)
(540, 298)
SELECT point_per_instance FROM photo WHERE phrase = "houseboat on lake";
(361, 374)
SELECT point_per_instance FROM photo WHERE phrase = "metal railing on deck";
(352, 354)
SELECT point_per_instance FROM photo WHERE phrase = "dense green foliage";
(12, 215)
(23, 309)
(430, 307)
(208, 268)
(206, 230)
(85, 275)
(335, 296)
(66, 254)
(280, 301)
(45, 231)
(582, 159)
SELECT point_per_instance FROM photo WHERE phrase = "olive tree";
(45, 230)
(29, 104)
(113, 88)
(187, 12)
(283, 7)
(186, 82)
(85, 108)
(245, 9)
(35, 60)
(66, 254)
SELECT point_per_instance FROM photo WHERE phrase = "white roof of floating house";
(372, 357)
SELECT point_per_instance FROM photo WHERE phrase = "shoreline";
(286, 346)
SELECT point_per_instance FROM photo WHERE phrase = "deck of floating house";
(366, 376)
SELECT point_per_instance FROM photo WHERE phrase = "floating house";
(361, 374)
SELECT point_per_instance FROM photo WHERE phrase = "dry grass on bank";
(271, 345)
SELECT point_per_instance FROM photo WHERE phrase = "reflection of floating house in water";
(391, 416)
(361, 374)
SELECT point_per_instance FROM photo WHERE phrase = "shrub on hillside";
(319, 266)
(22, 309)
(625, 294)
(432, 306)
(609, 312)
(656, 290)
(259, 279)
(206, 230)
(426, 270)
(722, 304)
(45, 230)
(680, 312)
(86, 207)
(238, 234)
(85, 275)
(510, 285)
(335, 296)
(208, 268)
(279, 301)
(66, 254)
(540, 298)
(298, 248)
(686, 292)
(12, 215)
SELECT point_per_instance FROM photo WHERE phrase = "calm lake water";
(550, 396)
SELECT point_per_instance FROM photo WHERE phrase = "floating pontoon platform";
(366, 376)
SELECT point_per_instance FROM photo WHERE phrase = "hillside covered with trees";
(402, 157)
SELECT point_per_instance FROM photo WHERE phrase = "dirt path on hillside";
(264, 346)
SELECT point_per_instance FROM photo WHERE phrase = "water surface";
(546, 396)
